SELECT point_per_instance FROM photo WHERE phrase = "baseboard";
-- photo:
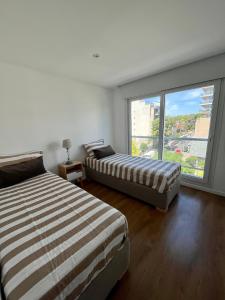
(203, 188)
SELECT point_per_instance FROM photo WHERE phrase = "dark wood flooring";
(177, 255)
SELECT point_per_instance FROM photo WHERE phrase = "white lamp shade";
(67, 143)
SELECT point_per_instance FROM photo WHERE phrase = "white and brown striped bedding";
(54, 238)
(6, 160)
(92, 146)
(157, 174)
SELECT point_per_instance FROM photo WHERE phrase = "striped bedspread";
(157, 174)
(54, 238)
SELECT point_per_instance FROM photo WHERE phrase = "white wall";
(204, 70)
(38, 110)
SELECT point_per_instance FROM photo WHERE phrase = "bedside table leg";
(81, 182)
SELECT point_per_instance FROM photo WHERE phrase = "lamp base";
(68, 162)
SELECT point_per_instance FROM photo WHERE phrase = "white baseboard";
(203, 188)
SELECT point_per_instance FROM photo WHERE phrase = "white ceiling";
(134, 37)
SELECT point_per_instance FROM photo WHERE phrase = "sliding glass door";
(177, 126)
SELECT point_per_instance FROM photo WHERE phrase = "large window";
(175, 126)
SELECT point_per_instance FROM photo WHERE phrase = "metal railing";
(175, 139)
(170, 138)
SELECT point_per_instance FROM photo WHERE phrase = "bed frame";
(139, 191)
(101, 286)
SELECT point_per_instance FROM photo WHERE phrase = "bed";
(59, 242)
(153, 181)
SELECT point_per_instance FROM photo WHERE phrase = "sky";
(180, 103)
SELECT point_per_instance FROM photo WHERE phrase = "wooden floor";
(178, 255)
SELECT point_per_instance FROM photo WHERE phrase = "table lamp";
(67, 144)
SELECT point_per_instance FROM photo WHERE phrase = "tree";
(143, 147)
(155, 127)
(176, 126)
(135, 149)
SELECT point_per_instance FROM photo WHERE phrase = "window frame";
(162, 95)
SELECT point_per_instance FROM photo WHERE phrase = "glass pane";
(145, 117)
(188, 115)
(188, 112)
(191, 155)
(145, 147)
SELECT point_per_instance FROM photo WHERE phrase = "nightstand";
(75, 167)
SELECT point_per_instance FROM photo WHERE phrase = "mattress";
(55, 238)
(157, 174)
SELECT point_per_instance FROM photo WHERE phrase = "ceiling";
(134, 38)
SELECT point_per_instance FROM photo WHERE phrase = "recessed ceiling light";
(96, 55)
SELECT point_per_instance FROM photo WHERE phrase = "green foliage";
(172, 156)
(155, 127)
(195, 162)
(188, 171)
(143, 147)
(135, 149)
(176, 126)
(192, 161)
(188, 163)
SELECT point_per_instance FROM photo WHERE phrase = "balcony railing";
(171, 138)
(191, 155)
